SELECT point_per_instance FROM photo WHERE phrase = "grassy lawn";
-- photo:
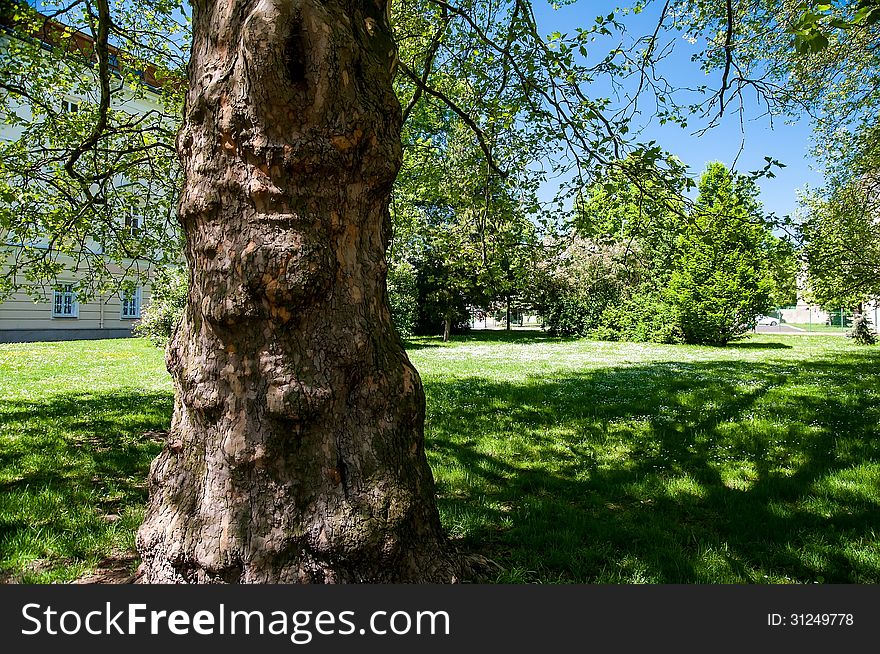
(562, 460)
(73, 455)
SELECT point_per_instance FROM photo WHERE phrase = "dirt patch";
(156, 436)
(115, 569)
(33, 567)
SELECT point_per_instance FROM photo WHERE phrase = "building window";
(64, 303)
(133, 224)
(69, 107)
(131, 304)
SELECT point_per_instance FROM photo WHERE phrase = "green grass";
(562, 460)
(73, 456)
(576, 461)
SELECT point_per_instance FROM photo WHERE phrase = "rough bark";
(296, 448)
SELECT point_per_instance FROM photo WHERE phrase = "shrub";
(713, 310)
(643, 317)
(403, 297)
(861, 331)
(167, 301)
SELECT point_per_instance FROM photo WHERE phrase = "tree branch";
(728, 57)
(481, 137)
(102, 53)
(433, 46)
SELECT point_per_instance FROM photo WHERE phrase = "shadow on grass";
(752, 345)
(421, 343)
(73, 469)
(522, 336)
(708, 472)
(698, 472)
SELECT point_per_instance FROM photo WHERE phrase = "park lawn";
(562, 460)
(73, 454)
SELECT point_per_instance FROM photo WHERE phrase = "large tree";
(296, 451)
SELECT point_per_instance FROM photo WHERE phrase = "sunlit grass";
(73, 452)
(562, 460)
(620, 462)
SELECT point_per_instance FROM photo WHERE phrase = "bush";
(861, 331)
(167, 301)
(403, 297)
(586, 279)
(644, 317)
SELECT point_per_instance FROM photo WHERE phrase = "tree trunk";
(447, 327)
(296, 448)
(508, 313)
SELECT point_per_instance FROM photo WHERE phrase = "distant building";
(804, 313)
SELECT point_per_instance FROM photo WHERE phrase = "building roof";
(52, 34)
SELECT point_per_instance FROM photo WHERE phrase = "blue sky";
(788, 142)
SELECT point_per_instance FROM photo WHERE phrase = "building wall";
(23, 319)
(805, 313)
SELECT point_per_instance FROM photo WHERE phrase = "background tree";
(513, 250)
(862, 331)
(447, 270)
(840, 228)
(612, 283)
(403, 296)
(785, 267)
(643, 219)
(842, 247)
(434, 214)
(722, 279)
(461, 224)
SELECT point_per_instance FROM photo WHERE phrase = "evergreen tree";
(723, 278)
